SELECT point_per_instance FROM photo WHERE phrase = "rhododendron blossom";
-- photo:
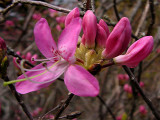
(60, 59)
(79, 58)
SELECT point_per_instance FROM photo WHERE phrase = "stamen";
(29, 78)
(48, 59)
(28, 69)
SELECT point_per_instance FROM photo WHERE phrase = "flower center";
(88, 57)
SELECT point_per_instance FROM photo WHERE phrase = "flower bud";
(89, 25)
(35, 56)
(141, 84)
(118, 40)
(73, 14)
(127, 88)
(36, 16)
(61, 19)
(28, 56)
(142, 110)
(138, 51)
(3, 49)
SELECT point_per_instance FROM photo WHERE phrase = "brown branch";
(39, 3)
(88, 4)
(107, 107)
(151, 5)
(136, 84)
(115, 10)
(18, 98)
(64, 106)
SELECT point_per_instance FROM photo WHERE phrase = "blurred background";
(16, 28)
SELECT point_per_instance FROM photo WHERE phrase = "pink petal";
(101, 36)
(104, 26)
(73, 14)
(80, 82)
(44, 40)
(68, 39)
(50, 76)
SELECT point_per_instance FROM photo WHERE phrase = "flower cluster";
(75, 56)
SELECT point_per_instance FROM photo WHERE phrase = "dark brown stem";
(88, 4)
(139, 71)
(19, 99)
(108, 64)
(115, 10)
(40, 3)
(64, 106)
(109, 110)
(136, 84)
(151, 4)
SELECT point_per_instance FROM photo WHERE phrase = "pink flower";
(36, 111)
(3, 49)
(120, 77)
(158, 50)
(35, 56)
(142, 110)
(89, 29)
(141, 84)
(2, 44)
(58, 27)
(36, 16)
(118, 40)
(119, 118)
(123, 77)
(9, 23)
(61, 19)
(52, 12)
(127, 88)
(138, 51)
(61, 60)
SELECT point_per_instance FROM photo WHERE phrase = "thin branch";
(25, 26)
(109, 110)
(11, 52)
(133, 102)
(40, 3)
(19, 99)
(151, 61)
(135, 10)
(144, 15)
(140, 71)
(115, 10)
(151, 4)
(88, 5)
(136, 84)
(58, 106)
(64, 106)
